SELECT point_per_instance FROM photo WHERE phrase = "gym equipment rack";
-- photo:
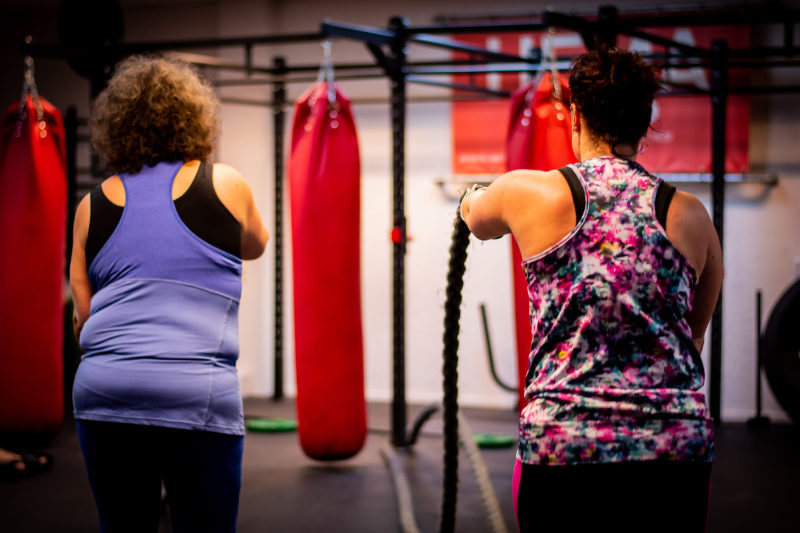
(388, 47)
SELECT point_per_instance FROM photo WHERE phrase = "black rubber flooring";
(755, 487)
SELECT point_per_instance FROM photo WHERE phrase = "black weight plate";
(781, 345)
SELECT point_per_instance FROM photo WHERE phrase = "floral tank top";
(613, 373)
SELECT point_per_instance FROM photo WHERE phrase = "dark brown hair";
(613, 90)
(154, 109)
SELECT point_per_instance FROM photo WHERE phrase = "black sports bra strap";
(664, 196)
(578, 194)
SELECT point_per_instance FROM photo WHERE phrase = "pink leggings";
(653, 496)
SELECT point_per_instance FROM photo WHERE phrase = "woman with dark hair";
(623, 276)
(156, 279)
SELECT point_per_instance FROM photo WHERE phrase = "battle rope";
(452, 314)
(456, 428)
(493, 513)
(402, 490)
(405, 505)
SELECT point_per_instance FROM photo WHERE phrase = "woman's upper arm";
(82, 290)
(485, 211)
(236, 195)
(696, 237)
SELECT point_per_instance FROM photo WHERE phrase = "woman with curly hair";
(623, 276)
(156, 279)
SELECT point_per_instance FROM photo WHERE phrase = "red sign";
(680, 136)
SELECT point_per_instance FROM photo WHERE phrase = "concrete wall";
(762, 245)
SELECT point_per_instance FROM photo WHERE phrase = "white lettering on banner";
(568, 40)
(664, 137)
(481, 157)
(493, 79)
(656, 112)
(693, 76)
(640, 45)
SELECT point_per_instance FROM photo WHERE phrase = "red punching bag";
(539, 138)
(33, 213)
(324, 181)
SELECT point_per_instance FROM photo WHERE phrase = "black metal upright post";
(279, 117)
(71, 142)
(398, 51)
(96, 85)
(719, 102)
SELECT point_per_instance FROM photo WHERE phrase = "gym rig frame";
(388, 47)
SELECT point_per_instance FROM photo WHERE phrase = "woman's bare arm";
(489, 212)
(236, 195)
(690, 229)
(82, 290)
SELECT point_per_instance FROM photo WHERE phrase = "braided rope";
(405, 505)
(452, 315)
(493, 513)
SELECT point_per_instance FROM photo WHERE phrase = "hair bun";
(613, 90)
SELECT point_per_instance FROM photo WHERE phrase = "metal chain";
(29, 86)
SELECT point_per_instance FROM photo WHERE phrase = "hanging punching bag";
(324, 185)
(33, 202)
(539, 138)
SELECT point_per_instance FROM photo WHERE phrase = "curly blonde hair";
(154, 109)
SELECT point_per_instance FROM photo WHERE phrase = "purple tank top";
(162, 338)
(613, 372)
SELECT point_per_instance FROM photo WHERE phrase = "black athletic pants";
(641, 497)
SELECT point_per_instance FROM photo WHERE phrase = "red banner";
(680, 136)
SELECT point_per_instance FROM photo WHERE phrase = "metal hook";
(326, 70)
(548, 62)
(29, 86)
(551, 57)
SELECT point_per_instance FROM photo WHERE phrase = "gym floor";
(756, 482)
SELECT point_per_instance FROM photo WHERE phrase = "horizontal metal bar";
(639, 16)
(509, 68)
(684, 49)
(357, 32)
(123, 49)
(458, 86)
(684, 88)
(465, 66)
(452, 186)
(711, 17)
(786, 89)
(500, 27)
(765, 51)
(457, 46)
(778, 63)
(267, 81)
(585, 26)
(220, 43)
(380, 36)
(761, 179)
(220, 63)
(372, 101)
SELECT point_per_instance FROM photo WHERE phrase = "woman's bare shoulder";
(228, 177)
(690, 229)
(233, 190)
(687, 211)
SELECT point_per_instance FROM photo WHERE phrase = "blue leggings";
(126, 463)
